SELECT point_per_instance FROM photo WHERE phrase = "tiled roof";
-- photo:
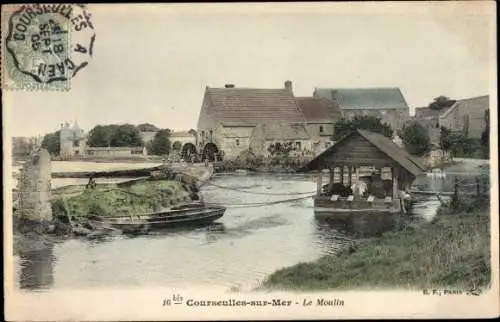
(425, 112)
(180, 134)
(473, 102)
(318, 109)
(364, 98)
(248, 105)
(384, 144)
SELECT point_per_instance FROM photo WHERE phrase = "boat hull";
(324, 207)
(179, 218)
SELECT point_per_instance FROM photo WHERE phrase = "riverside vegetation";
(453, 251)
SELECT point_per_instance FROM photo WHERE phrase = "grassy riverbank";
(453, 252)
(114, 200)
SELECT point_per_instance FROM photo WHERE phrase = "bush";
(416, 139)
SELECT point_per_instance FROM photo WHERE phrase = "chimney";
(288, 85)
(229, 86)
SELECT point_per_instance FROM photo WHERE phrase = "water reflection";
(37, 268)
(360, 225)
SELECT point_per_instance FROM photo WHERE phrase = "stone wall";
(34, 188)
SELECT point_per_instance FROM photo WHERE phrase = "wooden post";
(349, 170)
(394, 183)
(332, 177)
(319, 184)
(342, 174)
(357, 174)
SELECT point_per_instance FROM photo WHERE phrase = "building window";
(321, 129)
(75, 143)
(237, 142)
(298, 145)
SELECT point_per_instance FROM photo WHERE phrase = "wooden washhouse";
(357, 164)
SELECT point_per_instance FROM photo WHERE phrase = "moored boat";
(186, 215)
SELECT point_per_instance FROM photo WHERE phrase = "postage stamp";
(45, 46)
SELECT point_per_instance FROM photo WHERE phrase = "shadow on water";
(358, 226)
(37, 269)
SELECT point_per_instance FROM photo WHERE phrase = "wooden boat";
(185, 215)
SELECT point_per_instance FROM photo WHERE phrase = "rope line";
(258, 204)
(259, 193)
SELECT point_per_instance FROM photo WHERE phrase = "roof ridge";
(407, 156)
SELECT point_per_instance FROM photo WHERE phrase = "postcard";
(250, 161)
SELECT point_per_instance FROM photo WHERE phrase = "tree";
(192, 132)
(485, 136)
(365, 122)
(22, 146)
(126, 135)
(147, 127)
(100, 135)
(51, 142)
(416, 139)
(441, 102)
(177, 146)
(446, 139)
(161, 143)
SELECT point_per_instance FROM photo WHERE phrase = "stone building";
(467, 116)
(320, 114)
(388, 104)
(72, 140)
(233, 120)
(183, 143)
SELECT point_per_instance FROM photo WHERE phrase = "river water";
(236, 252)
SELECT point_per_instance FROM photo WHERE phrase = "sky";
(151, 63)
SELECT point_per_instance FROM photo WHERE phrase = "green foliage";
(147, 127)
(416, 139)
(126, 135)
(365, 122)
(22, 146)
(445, 140)
(485, 136)
(100, 135)
(58, 207)
(51, 142)
(453, 252)
(281, 148)
(177, 146)
(138, 198)
(161, 143)
(462, 146)
(441, 102)
(114, 136)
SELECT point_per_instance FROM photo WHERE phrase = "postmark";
(45, 45)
